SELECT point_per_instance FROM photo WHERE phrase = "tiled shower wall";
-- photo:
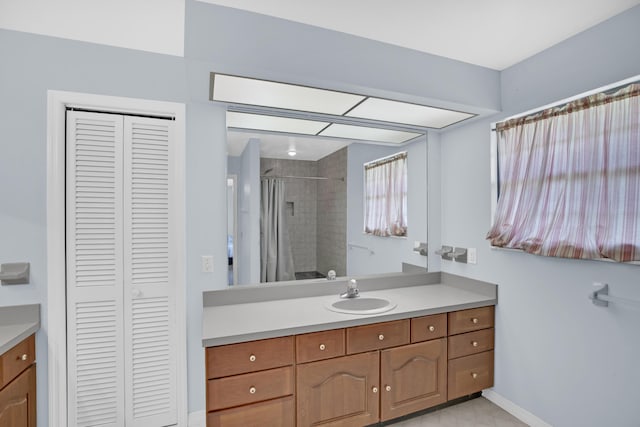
(301, 196)
(332, 214)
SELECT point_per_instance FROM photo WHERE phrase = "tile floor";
(474, 413)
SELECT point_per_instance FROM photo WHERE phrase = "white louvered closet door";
(121, 326)
(95, 254)
(149, 279)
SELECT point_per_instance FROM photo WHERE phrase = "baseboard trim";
(515, 410)
(197, 419)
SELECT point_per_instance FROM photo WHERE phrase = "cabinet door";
(339, 392)
(414, 377)
(18, 401)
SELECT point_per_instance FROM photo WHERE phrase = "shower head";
(267, 171)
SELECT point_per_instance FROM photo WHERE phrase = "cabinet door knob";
(474, 343)
(381, 337)
(252, 390)
(252, 358)
(432, 328)
(374, 389)
(474, 320)
(388, 388)
(474, 375)
(322, 347)
(24, 357)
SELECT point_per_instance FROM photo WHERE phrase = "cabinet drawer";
(273, 413)
(470, 374)
(470, 320)
(319, 345)
(377, 336)
(248, 388)
(249, 357)
(470, 343)
(428, 327)
(17, 359)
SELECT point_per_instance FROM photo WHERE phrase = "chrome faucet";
(352, 290)
(331, 275)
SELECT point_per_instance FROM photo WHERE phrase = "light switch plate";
(207, 263)
(472, 256)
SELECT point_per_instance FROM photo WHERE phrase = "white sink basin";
(361, 305)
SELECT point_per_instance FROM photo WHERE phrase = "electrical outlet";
(207, 264)
(472, 256)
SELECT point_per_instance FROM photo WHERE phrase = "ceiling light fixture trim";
(256, 92)
(284, 96)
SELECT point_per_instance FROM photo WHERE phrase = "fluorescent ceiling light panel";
(368, 133)
(273, 123)
(242, 90)
(411, 114)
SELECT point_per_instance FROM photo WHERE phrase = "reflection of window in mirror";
(385, 196)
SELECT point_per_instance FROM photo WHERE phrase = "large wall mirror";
(297, 161)
(296, 208)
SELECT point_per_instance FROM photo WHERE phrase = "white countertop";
(232, 323)
(17, 323)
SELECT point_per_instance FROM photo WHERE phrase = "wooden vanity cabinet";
(18, 385)
(351, 377)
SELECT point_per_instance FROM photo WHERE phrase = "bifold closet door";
(121, 328)
(149, 279)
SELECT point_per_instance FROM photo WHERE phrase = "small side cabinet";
(470, 350)
(18, 385)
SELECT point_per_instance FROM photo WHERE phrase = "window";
(569, 179)
(385, 196)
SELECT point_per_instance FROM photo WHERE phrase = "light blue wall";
(221, 39)
(31, 65)
(217, 39)
(390, 252)
(245, 43)
(558, 356)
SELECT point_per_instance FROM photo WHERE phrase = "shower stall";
(314, 214)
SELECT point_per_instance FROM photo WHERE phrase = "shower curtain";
(276, 258)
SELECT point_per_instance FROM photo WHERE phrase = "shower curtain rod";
(319, 178)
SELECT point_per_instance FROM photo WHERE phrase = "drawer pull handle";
(322, 347)
(374, 389)
(432, 328)
(252, 390)
(474, 375)
(474, 343)
(388, 388)
(24, 357)
(381, 337)
(474, 320)
(252, 358)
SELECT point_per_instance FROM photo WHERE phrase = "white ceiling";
(276, 146)
(149, 25)
(490, 33)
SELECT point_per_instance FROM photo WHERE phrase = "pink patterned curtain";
(385, 212)
(569, 180)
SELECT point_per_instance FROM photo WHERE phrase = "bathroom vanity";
(293, 362)
(18, 325)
